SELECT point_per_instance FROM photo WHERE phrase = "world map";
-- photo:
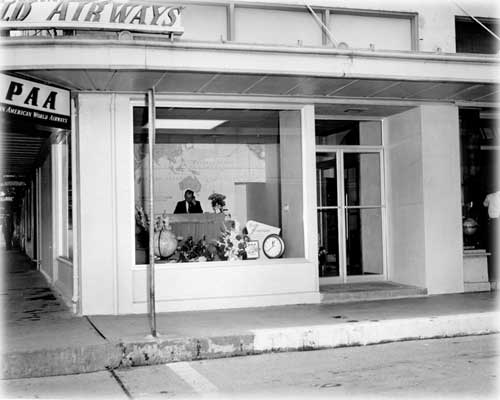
(204, 168)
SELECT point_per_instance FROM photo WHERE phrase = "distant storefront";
(359, 147)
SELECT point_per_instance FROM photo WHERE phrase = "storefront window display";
(221, 177)
(478, 136)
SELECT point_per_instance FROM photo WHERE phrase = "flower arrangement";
(231, 245)
(218, 202)
(142, 220)
(191, 251)
(233, 242)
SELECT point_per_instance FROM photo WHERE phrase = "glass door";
(350, 215)
(362, 211)
(327, 167)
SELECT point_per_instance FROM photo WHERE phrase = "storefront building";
(354, 132)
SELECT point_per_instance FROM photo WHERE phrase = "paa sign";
(43, 104)
(92, 15)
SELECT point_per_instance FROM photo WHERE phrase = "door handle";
(346, 212)
(346, 223)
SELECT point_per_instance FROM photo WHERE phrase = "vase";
(470, 226)
(165, 243)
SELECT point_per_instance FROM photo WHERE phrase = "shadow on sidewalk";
(26, 294)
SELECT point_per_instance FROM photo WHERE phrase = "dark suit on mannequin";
(195, 208)
(189, 205)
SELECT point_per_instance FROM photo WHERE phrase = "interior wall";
(291, 183)
(405, 201)
(265, 193)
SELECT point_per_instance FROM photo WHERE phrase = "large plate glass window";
(244, 170)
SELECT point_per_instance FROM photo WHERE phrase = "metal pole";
(151, 141)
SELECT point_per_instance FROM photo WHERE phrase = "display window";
(227, 185)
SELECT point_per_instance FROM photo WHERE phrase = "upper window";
(348, 133)
(204, 23)
(279, 27)
(471, 37)
(367, 31)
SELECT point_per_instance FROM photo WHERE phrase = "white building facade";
(337, 123)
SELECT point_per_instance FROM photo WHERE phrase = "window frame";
(308, 184)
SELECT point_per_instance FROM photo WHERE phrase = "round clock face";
(273, 246)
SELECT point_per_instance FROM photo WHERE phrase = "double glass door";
(350, 212)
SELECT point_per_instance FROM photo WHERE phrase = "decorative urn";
(470, 226)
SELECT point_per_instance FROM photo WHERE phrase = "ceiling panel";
(318, 86)
(20, 152)
(492, 98)
(131, 81)
(404, 90)
(276, 85)
(476, 91)
(230, 83)
(182, 82)
(100, 79)
(362, 88)
(70, 79)
(442, 91)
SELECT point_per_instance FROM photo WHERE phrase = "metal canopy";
(169, 82)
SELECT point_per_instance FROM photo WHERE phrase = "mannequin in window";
(492, 201)
(189, 205)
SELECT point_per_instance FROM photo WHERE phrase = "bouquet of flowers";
(218, 202)
(191, 251)
(232, 244)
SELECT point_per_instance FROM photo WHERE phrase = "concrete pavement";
(464, 367)
(50, 340)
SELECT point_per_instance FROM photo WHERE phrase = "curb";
(60, 361)
(93, 358)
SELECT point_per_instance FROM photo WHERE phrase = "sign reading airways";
(94, 15)
(43, 104)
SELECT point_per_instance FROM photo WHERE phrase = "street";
(455, 367)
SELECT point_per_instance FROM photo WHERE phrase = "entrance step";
(365, 291)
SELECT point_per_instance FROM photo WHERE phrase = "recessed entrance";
(350, 207)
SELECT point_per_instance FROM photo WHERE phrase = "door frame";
(341, 211)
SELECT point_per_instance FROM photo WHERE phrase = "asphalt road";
(464, 367)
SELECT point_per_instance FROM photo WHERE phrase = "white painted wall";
(46, 240)
(424, 216)
(29, 213)
(442, 205)
(97, 192)
(405, 202)
(110, 280)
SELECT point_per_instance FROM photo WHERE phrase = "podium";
(208, 225)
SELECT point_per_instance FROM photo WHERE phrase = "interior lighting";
(204, 124)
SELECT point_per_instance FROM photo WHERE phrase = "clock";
(273, 246)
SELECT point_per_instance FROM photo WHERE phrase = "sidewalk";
(55, 342)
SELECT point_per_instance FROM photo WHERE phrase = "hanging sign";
(93, 15)
(43, 104)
